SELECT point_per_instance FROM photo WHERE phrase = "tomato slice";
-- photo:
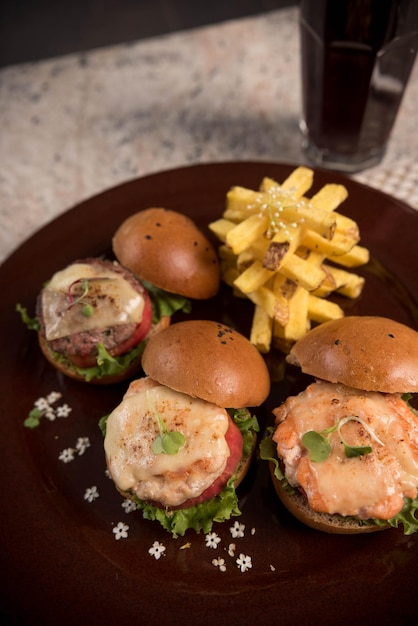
(140, 332)
(234, 440)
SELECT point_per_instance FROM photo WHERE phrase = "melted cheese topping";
(168, 479)
(372, 485)
(113, 299)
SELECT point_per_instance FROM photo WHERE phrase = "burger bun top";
(210, 361)
(365, 352)
(167, 249)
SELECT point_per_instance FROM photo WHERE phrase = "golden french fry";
(252, 278)
(337, 246)
(275, 305)
(321, 310)
(295, 185)
(302, 272)
(261, 329)
(298, 323)
(299, 181)
(245, 233)
(358, 255)
(221, 228)
(329, 197)
(346, 283)
(225, 254)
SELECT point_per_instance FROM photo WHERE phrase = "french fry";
(298, 323)
(302, 272)
(253, 277)
(261, 329)
(275, 305)
(329, 197)
(286, 253)
(321, 310)
(358, 255)
(221, 228)
(246, 232)
(346, 283)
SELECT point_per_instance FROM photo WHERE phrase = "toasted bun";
(369, 353)
(65, 366)
(298, 506)
(167, 249)
(208, 360)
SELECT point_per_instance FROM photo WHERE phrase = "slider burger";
(182, 438)
(344, 453)
(93, 318)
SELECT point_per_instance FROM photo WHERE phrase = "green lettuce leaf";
(199, 517)
(165, 303)
(107, 365)
(32, 323)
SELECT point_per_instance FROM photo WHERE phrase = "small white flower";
(91, 494)
(244, 562)
(63, 411)
(82, 444)
(67, 455)
(157, 549)
(219, 563)
(107, 473)
(212, 540)
(41, 404)
(50, 414)
(53, 396)
(237, 530)
(273, 569)
(128, 505)
(231, 549)
(120, 531)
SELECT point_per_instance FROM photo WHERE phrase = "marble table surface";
(76, 125)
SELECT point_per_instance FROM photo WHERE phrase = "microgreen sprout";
(168, 441)
(87, 309)
(319, 445)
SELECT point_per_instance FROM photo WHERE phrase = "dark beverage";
(357, 56)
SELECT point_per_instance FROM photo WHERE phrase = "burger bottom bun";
(298, 506)
(68, 370)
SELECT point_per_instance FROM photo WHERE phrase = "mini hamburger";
(182, 438)
(94, 317)
(344, 452)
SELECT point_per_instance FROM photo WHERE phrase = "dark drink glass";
(357, 56)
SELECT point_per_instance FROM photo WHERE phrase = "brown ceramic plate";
(60, 559)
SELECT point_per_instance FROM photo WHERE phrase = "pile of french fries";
(287, 253)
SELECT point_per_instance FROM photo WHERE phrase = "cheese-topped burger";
(345, 450)
(158, 238)
(93, 318)
(182, 438)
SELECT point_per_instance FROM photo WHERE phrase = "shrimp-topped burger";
(182, 439)
(344, 452)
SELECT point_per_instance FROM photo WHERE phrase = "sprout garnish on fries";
(280, 249)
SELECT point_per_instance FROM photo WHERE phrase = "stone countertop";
(74, 126)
